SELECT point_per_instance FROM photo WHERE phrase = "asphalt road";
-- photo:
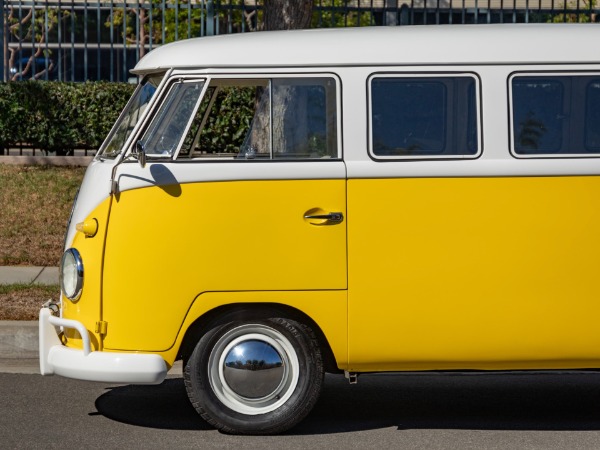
(513, 411)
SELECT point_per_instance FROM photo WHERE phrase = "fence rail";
(80, 40)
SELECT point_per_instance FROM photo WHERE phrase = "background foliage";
(59, 117)
(226, 128)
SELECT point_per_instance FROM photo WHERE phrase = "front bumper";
(111, 367)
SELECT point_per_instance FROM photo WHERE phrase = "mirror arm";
(140, 153)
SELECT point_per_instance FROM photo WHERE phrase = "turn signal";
(88, 227)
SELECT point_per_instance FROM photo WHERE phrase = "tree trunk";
(287, 14)
(290, 126)
(279, 15)
(260, 134)
(142, 42)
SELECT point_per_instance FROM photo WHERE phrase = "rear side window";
(424, 117)
(555, 115)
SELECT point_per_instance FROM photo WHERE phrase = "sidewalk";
(28, 275)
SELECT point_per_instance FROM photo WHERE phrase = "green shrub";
(226, 127)
(59, 117)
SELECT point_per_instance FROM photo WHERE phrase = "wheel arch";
(250, 311)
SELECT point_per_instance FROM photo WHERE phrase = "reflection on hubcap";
(253, 369)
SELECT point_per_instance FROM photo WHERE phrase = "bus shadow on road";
(164, 406)
(472, 401)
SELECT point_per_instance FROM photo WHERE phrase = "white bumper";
(55, 358)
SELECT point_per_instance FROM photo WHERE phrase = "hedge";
(59, 117)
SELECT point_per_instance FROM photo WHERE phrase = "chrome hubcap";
(253, 369)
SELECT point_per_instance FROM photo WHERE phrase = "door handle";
(330, 219)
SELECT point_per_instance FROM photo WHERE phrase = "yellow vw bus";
(273, 206)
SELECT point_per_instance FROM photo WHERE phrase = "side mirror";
(140, 153)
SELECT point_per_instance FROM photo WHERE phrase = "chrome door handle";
(331, 218)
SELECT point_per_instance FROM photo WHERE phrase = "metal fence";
(78, 40)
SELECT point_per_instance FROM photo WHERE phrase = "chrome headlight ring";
(71, 274)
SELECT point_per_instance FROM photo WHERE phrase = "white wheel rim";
(266, 403)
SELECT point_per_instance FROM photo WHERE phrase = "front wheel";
(255, 377)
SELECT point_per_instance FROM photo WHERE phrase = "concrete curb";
(18, 339)
(25, 365)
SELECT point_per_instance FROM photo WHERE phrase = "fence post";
(2, 43)
(390, 17)
(404, 14)
(210, 18)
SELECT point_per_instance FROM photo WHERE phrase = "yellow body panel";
(88, 309)
(454, 273)
(474, 273)
(327, 308)
(168, 245)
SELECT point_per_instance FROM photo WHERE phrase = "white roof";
(422, 45)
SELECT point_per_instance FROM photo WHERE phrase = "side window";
(429, 116)
(592, 116)
(222, 121)
(264, 119)
(555, 115)
(304, 119)
(538, 115)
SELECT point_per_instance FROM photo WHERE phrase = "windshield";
(130, 116)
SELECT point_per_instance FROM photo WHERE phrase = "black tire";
(229, 396)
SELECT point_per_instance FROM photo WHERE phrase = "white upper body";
(375, 46)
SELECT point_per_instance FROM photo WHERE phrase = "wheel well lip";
(254, 311)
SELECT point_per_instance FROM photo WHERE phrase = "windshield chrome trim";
(100, 154)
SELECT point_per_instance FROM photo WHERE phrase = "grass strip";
(23, 301)
(35, 203)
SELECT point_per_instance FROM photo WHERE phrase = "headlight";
(71, 274)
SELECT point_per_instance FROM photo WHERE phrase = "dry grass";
(23, 301)
(35, 202)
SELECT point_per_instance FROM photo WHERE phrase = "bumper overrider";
(85, 364)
